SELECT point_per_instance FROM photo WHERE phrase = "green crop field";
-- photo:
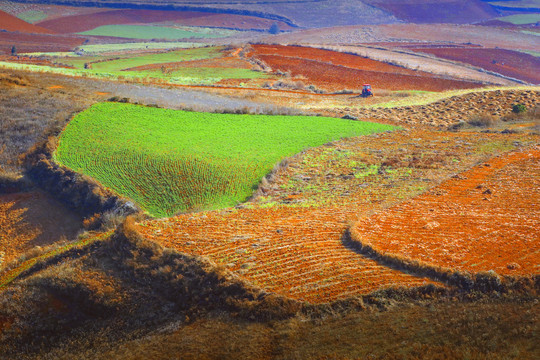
(204, 75)
(155, 32)
(169, 161)
(521, 19)
(526, 4)
(161, 58)
(32, 16)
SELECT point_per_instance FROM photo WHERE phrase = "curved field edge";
(486, 281)
(462, 278)
(426, 98)
(169, 161)
(126, 244)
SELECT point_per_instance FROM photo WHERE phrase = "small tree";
(13, 50)
(274, 29)
(519, 108)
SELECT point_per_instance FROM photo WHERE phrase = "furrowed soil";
(510, 63)
(27, 43)
(289, 240)
(334, 75)
(483, 219)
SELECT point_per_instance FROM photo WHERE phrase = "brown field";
(11, 23)
(509, 63)
(437, 11)
(334, 71)
(484, 219)
(229, 62)
(26, 43)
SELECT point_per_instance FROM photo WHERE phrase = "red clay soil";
(12, 23)
(332, 57)
(487, 218)
(437, 11)
(291, 251)
(335, 77)
(507, 62)
(37, 42)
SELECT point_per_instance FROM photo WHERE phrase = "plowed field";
(11, 23)
(487, 218)
(333, 71)
(289, 240)
(37, 42)
(510, 63)
(291, 251)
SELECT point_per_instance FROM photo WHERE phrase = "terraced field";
(484, 219)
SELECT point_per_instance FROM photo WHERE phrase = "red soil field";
(507, 62)
(438, 11)
(335, 77)
(11, 23)
(37, 42)
(291, 251)
(332, 57)
(487, 218)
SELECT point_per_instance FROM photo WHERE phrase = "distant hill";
(11, 23)
(437, 11)
(319, 13)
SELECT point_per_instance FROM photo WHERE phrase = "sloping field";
(437, 11)
(484, 219)
(33, 219)
(170, 161)
(332, 57)
(11, 23)
(229, 62)
(510, 63)
(86, 22)
(452, 109)
(291, 251)
(335, 77)
(28, 43)
(150, 32)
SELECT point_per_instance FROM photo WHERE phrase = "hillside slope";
(11, 23)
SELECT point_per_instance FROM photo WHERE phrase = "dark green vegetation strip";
(169, 161)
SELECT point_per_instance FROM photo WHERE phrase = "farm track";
(484, 219)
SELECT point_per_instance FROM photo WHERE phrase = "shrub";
(481, 120)
(519, 108)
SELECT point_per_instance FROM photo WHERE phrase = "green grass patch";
(521, 19)
(169, 161)
(155, 32)
(530, 52)
(32, 16)
(161, 58)
(207, 75)
(525, 4)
